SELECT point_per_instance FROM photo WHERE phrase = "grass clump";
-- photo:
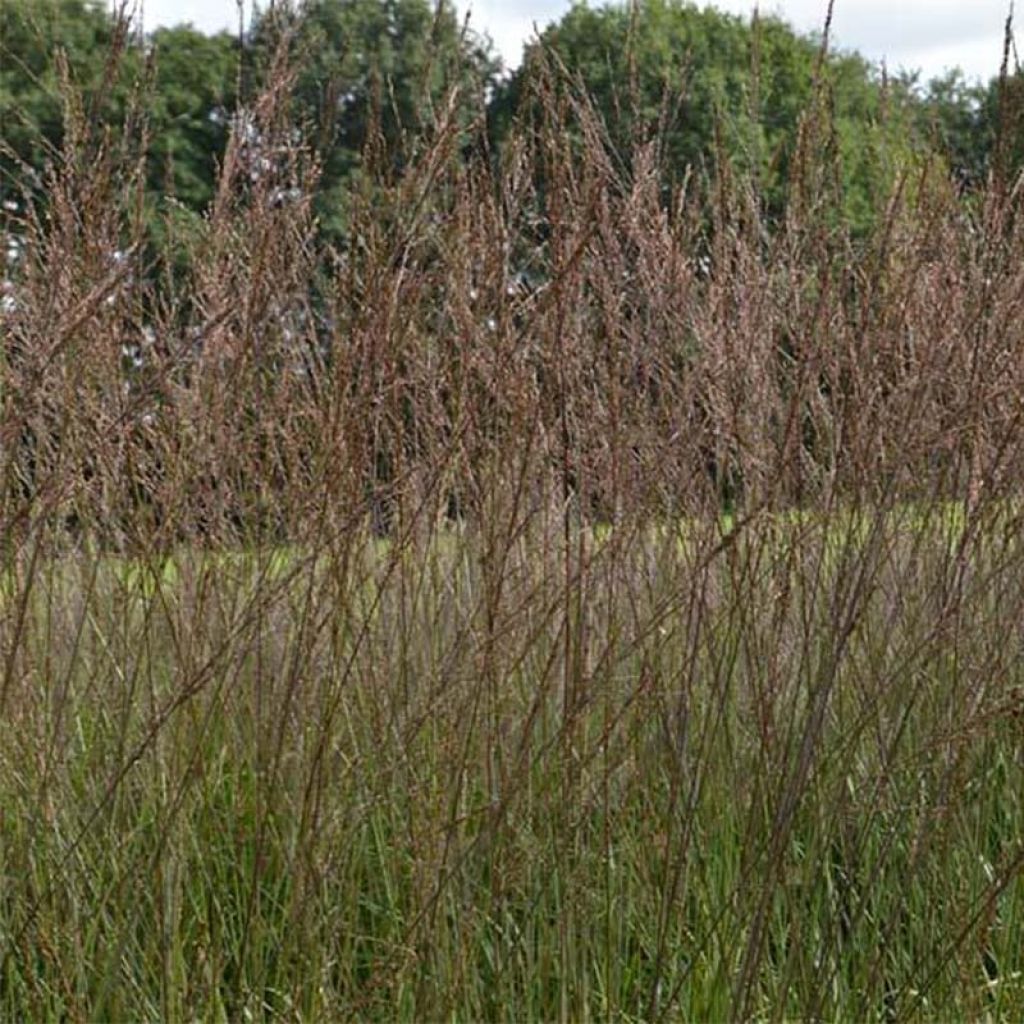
(392, 639)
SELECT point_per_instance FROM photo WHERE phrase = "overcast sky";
(930, 35)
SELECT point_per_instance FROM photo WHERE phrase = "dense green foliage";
(709, 85)
(185, 82)
(367, 72)
(373, 71)
(726, 88)
(751, 92)
(194, 92)
(31, 105)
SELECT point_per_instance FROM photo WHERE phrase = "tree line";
(344, 190)
(369, 75)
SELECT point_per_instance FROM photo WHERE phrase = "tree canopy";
(32, 33)
(195, 90)
(378, 71)
(373, 66)
(730, 87)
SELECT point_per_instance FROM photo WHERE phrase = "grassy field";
(633, 779)
(375, 643)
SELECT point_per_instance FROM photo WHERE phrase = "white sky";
(930, 35)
